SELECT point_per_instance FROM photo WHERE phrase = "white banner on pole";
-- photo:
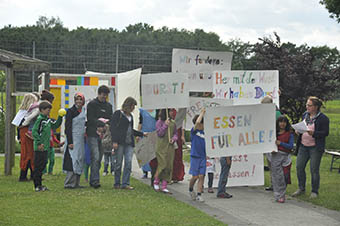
(165, 90)
(145, 149)
(246, 170)
(200, 66)
(246, 87)
(243, 129)
(197, 103)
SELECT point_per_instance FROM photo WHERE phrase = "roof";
(22, 63)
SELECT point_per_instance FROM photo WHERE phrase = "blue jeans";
(125, 151)
(96, 158)
(304, 154)
(224, 175)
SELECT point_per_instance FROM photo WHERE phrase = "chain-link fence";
(78, 58)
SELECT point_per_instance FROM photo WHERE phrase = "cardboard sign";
(145, 149)
(246, 170)
(197, 103)
(200, 66)
(244, 129)
(246, 87)
(165, 90)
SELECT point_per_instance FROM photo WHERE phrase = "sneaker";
(281, 200)
(44, 188)
(269, 188)
(104, 174)
(210, 190)
(156, 187)
(112, 173)
(37, 189)
(199, 198)
(95, 186)
(192, 195)
(313, 195)
(224, 196)
(116, 186)
(298, 192)
(128, 188)
(165, 190)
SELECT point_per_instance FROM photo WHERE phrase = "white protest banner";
(246, 170)
(197, 103)
(243, 129)
(200, 66)
(145, 149)
(165, 90)
(246, 87)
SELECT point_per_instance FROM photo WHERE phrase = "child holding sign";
(197, 157)
(165, 150)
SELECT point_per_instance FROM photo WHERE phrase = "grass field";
(20, 205)
(329, 195)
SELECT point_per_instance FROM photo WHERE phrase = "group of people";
(310, 146)
(98, 130)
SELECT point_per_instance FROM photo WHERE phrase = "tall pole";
(33, 56)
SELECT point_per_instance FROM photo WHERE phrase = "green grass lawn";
(20, 205)
(329, 195)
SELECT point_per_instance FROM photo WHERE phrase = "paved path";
(251, 206)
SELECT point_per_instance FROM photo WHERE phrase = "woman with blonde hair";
(311, 146)
(26, 153)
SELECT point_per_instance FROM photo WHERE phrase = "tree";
(333, 7)
(45, 23)
(303, 71)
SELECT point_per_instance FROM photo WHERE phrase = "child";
(281, 161)
(211, 171)
(107, 146)
(42, 133)
(51, 153)
(165, 150)
(197, 157)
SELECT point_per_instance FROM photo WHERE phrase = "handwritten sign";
(200, 66)
(246, 87)
(165, 90)
(243, 129)
(196, 105)
(145, 149)
(246, 170)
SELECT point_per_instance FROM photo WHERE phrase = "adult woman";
(75, 148)
(122, 133)
(311, 145)
(26, 153)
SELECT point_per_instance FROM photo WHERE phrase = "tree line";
(304, 71)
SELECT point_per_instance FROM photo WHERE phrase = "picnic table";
(335, 156)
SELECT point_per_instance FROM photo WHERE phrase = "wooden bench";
(335, 156)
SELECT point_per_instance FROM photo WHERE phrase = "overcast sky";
(296, 21)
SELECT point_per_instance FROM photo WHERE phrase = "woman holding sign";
(311, 145)
(165, 150)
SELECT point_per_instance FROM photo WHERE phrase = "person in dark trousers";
(42, 134)
(97, 108)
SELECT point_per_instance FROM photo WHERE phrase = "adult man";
(97, 108)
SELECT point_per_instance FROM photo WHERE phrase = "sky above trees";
(302, 21)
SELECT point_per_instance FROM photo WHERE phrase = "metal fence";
(77, 58)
